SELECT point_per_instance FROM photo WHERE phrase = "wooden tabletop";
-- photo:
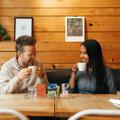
(71, 104)
(42, 106)
(59, 106)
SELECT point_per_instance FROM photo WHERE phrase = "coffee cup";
(81, 66)
(65, 89)
(34, 70)
(118, 93)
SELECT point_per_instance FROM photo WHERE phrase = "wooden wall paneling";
(78, 11)
(111, 57)
(59, 60)
(46, 24)
(54, 47)
(47, 57)
(107, 36)
(73, 47)
(10, 46)
(112, 65)
(102, 37)
(102, 23)
(62, 57)
(58, 65)
(46, 37)
(7, 46)
(58, 3)
(55, 66)
(59, 57)
(5, 56)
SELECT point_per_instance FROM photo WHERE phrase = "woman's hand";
(74, 68)
(72, 78)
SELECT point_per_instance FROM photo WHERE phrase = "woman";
(97, 78)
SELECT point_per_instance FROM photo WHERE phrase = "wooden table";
(59, 107)
(42, 106)
(68, 106)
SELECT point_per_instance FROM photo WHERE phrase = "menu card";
(41, 89)
(52, 90)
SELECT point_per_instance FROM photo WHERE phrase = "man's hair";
(23, 41)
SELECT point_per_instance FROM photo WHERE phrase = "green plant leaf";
(6, 37)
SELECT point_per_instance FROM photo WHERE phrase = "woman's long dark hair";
(94, 52)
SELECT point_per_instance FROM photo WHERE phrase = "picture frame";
(74, 29)
(23, 26)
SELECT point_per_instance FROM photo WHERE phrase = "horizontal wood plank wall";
(102, 24)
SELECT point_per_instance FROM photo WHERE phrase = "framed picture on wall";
(23, 26)
(74, 29)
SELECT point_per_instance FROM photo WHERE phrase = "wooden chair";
(96, 112)
(15, 113)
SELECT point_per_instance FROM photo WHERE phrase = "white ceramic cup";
(118, 93)
(81, 66)
(34, 69)
(65, 89)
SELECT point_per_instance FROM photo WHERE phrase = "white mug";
(81, 66)
(34, 69)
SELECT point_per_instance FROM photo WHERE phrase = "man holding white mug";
(16, 75)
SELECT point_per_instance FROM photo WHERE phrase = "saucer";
(117, 105)
(115, 102)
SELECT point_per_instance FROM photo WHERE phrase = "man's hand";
(24, 73)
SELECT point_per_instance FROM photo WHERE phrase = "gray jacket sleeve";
(111, 83)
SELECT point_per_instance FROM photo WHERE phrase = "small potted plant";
(3, 34)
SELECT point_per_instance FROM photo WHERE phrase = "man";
(15, 75)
